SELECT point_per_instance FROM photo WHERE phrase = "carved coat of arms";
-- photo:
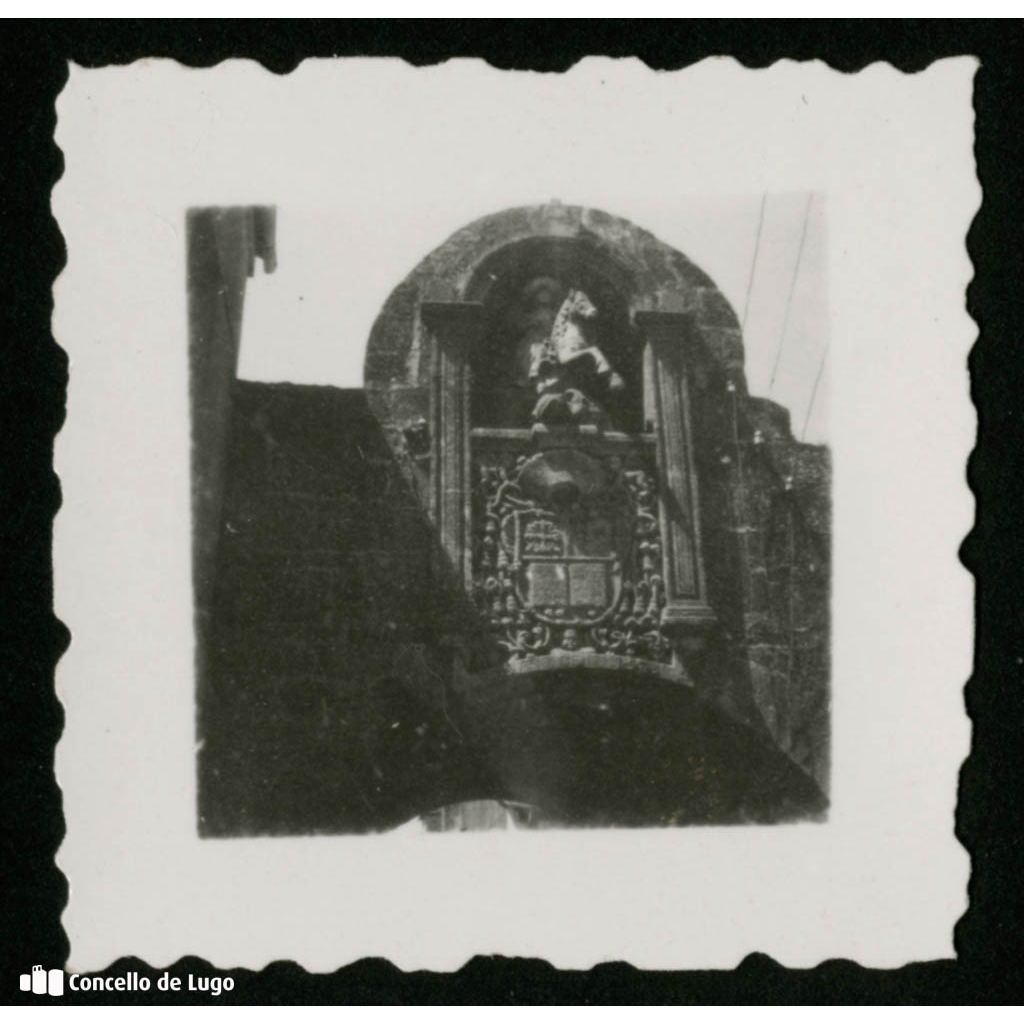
(568, 557)
(568, 562)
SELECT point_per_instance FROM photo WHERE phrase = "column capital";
(673, 336)
(449, 318)
(660, 324)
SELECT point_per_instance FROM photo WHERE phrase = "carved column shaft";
(454, 327)
(672, 346)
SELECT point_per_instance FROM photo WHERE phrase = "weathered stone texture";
(332, 700)
(652, 275)
(323, 706)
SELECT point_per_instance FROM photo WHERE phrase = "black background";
(33, 376)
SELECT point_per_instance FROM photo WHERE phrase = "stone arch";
(520, 287)
(732, 627)
(670, 324)
(654, 276)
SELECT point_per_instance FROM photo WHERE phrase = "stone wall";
(767, 515)
(322, 708)
(329, 704)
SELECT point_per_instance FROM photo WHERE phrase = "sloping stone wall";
(322, 708)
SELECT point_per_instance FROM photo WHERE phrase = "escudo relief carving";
(568, 555)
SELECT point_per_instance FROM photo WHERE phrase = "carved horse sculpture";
(555, 358)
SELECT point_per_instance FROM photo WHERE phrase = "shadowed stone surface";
(331, 706)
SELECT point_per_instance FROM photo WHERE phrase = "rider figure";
(564, 366)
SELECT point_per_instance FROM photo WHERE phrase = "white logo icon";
(42, 982)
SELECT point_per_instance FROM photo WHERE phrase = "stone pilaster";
(453, 328)
(673, 345)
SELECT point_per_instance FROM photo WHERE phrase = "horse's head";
(580, 307)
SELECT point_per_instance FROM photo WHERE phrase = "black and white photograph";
(514, 514)
(552, 565)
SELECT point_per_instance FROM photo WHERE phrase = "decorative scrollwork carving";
(568, 555)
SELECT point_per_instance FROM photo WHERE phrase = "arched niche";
(440, 375)
(521, 287)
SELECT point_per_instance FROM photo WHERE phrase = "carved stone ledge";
(602, 662)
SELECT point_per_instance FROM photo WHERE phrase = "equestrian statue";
(567, 369)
